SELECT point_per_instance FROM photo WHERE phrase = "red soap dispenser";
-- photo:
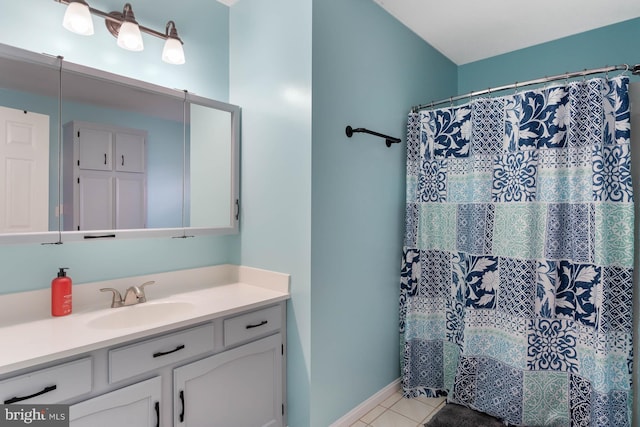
(61, 294)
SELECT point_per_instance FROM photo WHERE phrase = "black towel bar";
(389, 139)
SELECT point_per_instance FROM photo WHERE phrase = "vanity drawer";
(250, 325)
(50, 385)
(126, 362)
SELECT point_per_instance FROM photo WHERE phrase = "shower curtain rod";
(634, 69)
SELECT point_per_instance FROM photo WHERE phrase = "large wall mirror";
(87, 154)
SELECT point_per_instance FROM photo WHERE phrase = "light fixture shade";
(173, 52)
(129, 37)
(77, 18)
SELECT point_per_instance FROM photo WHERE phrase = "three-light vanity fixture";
(124, 26)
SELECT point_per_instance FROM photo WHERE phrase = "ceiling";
(469, 30)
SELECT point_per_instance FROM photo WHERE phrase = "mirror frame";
(60, 236)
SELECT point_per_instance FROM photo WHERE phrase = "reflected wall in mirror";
(134, 159)
(210, 168)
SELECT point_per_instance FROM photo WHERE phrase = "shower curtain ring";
(451, 102)
(626, 68)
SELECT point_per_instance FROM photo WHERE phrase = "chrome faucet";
(133, 295)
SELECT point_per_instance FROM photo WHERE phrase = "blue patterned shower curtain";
(516, 287)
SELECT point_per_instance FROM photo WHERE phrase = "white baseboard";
(362, 409)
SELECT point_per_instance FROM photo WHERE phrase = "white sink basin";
(140, 314)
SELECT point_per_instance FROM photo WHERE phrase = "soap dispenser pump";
(61, 294)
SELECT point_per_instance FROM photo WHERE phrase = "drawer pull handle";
(182, 402)
(20, 399)
(164, 353)
(157, 406)
(257, 325)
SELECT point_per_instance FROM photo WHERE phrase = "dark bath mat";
(453, 415)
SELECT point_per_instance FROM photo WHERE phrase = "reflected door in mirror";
(24, 171)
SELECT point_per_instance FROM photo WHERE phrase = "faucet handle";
(142, 297)
(150, 282)
(117, 298)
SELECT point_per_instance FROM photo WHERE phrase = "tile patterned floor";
(399, 412)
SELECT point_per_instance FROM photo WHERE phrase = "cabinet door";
(239, 387)
(130, 151)
(130, 201)
(137, 405)
(95, 149)
(95, 201)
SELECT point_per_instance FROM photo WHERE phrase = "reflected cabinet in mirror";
(88, 154)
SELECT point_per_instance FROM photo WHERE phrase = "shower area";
(518, 262)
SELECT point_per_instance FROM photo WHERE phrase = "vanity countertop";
(30, 336)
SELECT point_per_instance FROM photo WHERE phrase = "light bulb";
(173, 52)
(77, 19)
(129, 37)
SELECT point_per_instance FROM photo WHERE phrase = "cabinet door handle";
(105, 158)
(157, 407)
(257, 325)
(41, 392)
(164, 353)
(98, 236)
(123, 160)
(182, 402)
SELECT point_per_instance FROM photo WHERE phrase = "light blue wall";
(368, 70)
(611, 45)
(36, 25)
(30, 267)
(344, 254)
(270, 59)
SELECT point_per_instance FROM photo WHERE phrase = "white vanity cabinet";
(223, 371)
(136, 405)
(238, 387)
(104, 177)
